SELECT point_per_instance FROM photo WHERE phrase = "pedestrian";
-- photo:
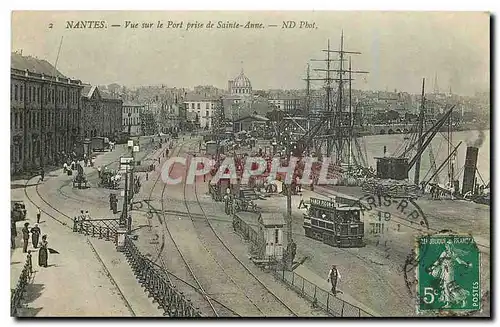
(333, 276)
(38, 215)
(35, 235)
(43, 253)
(73, 164)
(65, 167)
(26, 236)
(13, 232)
(42, 174)
(87, 215)
(99, 171)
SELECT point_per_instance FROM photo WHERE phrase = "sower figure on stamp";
(333, 276)
(444, 269)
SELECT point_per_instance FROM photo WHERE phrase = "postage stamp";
(448, 273)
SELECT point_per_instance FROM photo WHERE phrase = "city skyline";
(398, 49)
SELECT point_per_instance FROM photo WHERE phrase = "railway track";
(227, 260)
(193, 288)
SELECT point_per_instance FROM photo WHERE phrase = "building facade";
(131, 118)
(101, 113)
(45, 113)
(203, 107)
(286, 102)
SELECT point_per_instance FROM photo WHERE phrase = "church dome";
(242, 81)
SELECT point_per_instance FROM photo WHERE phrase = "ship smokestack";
(470, 169)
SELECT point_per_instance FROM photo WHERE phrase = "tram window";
(314, 222)
(321, 224)
(276, 233)
(329, 226)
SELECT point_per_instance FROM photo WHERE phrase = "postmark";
(447, 274)
(403, 211)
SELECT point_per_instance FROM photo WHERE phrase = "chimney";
(470, 169)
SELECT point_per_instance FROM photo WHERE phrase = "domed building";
(240, 85)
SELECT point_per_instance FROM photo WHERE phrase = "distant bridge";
(380, 129)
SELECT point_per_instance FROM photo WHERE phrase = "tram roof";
(272, 219)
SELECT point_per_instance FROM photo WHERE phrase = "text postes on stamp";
(448, 273)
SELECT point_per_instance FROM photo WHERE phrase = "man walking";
(26, 237)
(38, 215)
(333, 276)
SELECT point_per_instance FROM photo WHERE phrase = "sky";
(398, 48)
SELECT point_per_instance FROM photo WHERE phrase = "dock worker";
(333, 277)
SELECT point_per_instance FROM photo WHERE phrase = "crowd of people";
(40, 245)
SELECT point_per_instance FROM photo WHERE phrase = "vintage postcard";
(243, 164)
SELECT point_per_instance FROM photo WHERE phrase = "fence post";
(30, 262)
(327, 301)
(303, 285)
(342, 311)
(283, 273)
(315, 287)
(293, 278)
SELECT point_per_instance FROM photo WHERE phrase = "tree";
(114, 88)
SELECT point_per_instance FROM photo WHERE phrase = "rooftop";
(192, 97)
(272, 219)
(40, 66)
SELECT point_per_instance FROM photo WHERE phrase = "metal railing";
(319, 296)
(156, 282)
(257, 244)
(101, 228)
(17, 293)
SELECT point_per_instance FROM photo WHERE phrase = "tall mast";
(420, 132)
(308, 95)
(328, 91)
(335, 133)
(338, 114)
(351, 119)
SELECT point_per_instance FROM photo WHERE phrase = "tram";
(335, 223)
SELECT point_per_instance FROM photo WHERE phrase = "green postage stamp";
(448, 273)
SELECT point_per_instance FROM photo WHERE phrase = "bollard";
(342, 310)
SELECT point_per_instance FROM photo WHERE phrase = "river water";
(375, 148)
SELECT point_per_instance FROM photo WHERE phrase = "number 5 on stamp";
(448, 273)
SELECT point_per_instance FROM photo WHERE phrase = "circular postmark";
(446, 278)
(400, 210)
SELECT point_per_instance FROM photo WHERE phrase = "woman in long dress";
(43, 253)
(443, 269)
